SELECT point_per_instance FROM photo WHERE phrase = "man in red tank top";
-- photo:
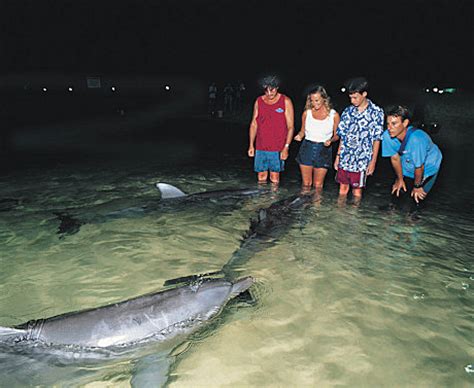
(271, 131)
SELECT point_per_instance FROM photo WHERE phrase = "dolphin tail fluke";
(69, 225)
(8, 333)
(169, 191)
(241, 285)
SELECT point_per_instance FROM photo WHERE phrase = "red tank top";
(271, 125)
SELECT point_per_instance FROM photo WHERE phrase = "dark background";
(139, 46)
(416, 41)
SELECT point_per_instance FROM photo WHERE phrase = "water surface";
(345, 296)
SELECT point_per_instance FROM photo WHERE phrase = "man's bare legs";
(344, 190)
(357, 194)
(274, 177)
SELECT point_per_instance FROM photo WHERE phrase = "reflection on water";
(345, 295)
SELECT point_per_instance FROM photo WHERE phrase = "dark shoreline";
(61, 128)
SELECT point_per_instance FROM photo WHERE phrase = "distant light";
(427, 90)
(450, 90)
(45, 90)
(343, 89)
(435, 89)
(441, 91)
(113, 88)
(167, 87)
(69, 89)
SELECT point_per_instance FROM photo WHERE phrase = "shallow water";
(346, 296)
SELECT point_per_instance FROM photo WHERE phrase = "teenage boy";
(360, 131)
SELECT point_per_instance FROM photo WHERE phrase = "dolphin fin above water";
(169, 191)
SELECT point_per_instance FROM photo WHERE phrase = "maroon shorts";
(354, 179)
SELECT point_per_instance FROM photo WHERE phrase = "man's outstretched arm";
(399, 182)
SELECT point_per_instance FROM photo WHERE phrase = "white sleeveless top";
(319, 130)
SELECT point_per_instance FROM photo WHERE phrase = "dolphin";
(267, 226)
(171, 192)
(157, 316)
(70, 223)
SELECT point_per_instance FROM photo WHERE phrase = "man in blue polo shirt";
(412, 153)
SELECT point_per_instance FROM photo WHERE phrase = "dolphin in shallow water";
(70, 223)
(171, 192)
(153, 317)
(266, 227)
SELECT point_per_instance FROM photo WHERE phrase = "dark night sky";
(416, 40)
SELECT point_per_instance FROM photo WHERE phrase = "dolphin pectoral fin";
(169, 191)
(190, 278)
(152, 371)
(241, 285)
(7, 333)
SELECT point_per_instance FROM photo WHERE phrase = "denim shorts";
(314, 154)
(268, 160)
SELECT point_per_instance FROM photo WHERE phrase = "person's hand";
(371, 167)
(336, 162)
(327, 143)
(284, 153)
(418, 194)
(251, 152)
(298, 137)
(397, 186)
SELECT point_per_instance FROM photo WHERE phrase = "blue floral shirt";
(358, 131)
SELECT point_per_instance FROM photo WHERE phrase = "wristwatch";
(287, 145)
(418, 185)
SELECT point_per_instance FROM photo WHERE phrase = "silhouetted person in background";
(228, 98)
(212, 102)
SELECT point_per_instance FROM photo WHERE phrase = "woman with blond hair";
(318, 129)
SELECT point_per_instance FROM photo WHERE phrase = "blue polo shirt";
(420, 150)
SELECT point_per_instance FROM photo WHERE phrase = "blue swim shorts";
(268, 160)
(314, 154)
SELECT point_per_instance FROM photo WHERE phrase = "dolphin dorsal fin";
(169, 191)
